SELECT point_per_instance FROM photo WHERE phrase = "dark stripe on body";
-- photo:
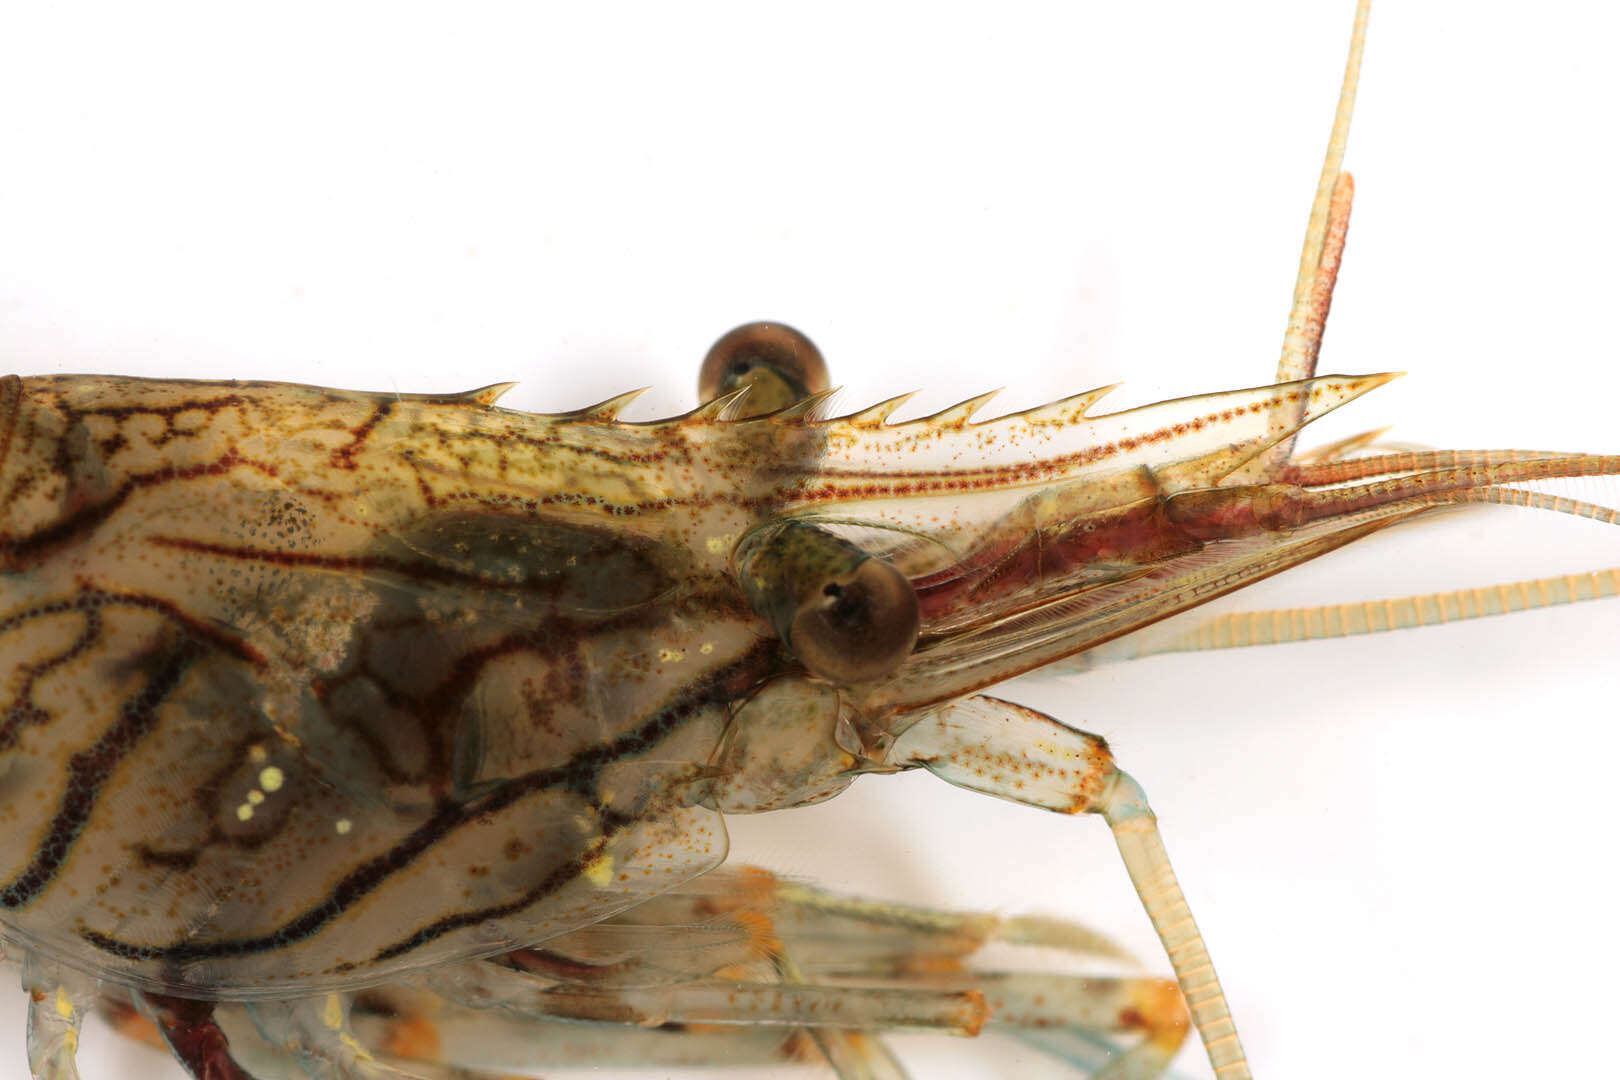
(418, 572)
(343, 456)
(85, 519)
(580, 771)
(551, 883)
(23, 710)
(88, 772)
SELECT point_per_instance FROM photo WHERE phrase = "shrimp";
(1049, 889)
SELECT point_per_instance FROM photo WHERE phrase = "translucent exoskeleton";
(1077, 701)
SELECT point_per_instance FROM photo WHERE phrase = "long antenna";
(1318, 264)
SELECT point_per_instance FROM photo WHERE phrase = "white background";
(1396, 846)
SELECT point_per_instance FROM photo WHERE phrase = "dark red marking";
(560, 876)
(197, 629)
(23, 710)
(578, 772)
(555, 965)
(424, 571)
(1019, 561)
(88, 771)
(196, 1039)
(168, 412)
(15, 550)
(343, 456)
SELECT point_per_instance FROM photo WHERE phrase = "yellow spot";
(671, 656)
(332, 1014)
(706, 648)
(355, 1048)
(599, 871)
(255, 797)
(343, 826)
(64, 1004)
(244, 812)
(258, 754)
(271, 778)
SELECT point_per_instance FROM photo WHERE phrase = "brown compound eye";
(859, 626)
(847, 616)
(778, 364)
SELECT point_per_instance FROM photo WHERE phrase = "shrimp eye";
(847, 616)
(778, 364)
(859, 626)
